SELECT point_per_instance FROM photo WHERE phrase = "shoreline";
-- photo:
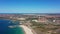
(26, 29)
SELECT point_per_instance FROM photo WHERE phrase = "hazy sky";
(29, 6)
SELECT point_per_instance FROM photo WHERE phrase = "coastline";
(26, 29)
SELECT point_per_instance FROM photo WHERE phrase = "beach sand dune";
(26, 29)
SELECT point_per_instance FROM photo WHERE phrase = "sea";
(5, 29)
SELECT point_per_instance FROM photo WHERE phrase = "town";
(40, 23)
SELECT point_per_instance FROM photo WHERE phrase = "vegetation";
(39, 27)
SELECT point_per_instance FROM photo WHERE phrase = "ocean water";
(4, 29)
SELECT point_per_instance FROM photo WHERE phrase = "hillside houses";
(37, 18)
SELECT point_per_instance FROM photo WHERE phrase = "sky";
(29, 6)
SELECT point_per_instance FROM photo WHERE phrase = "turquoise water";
(4, 29)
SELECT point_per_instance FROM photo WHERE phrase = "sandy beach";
(26, 29)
